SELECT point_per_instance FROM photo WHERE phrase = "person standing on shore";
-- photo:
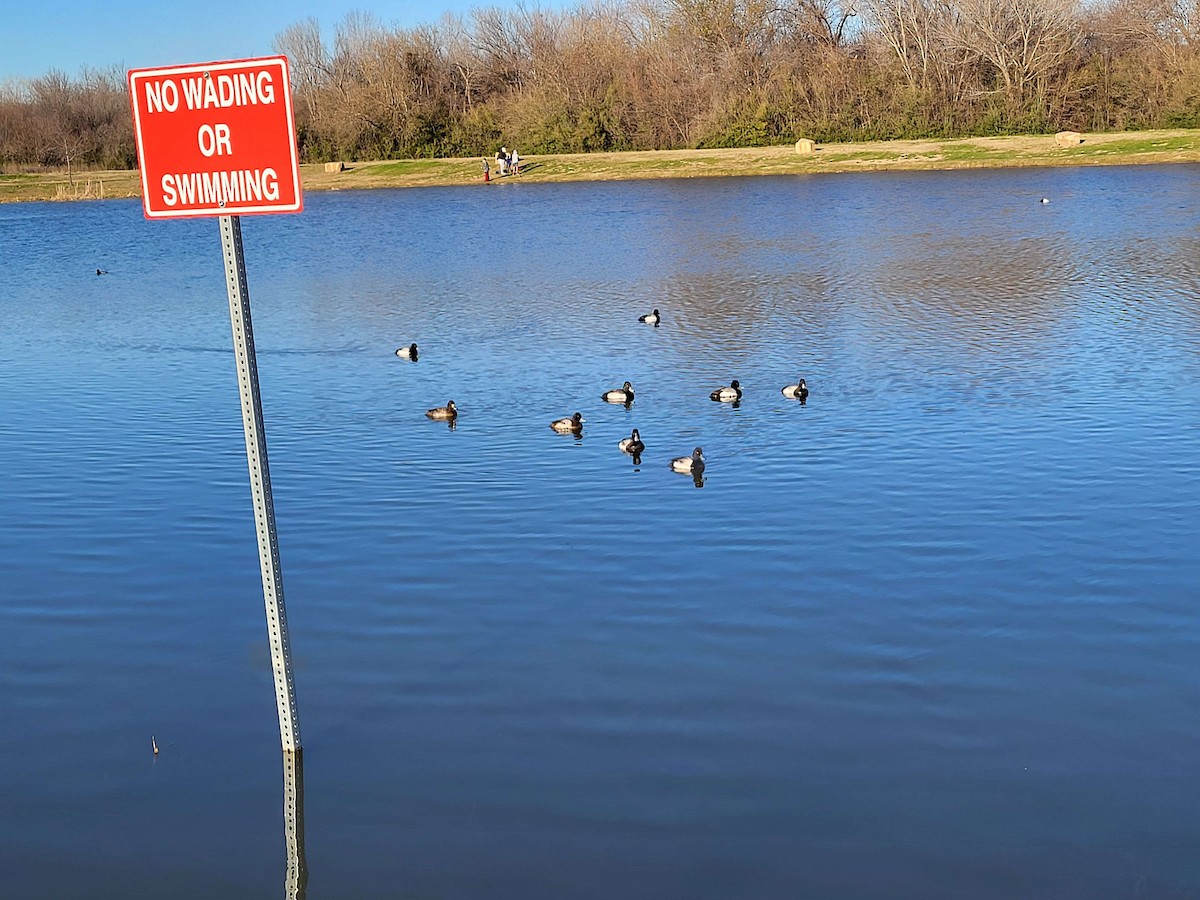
(487, 171)
(502, 161)
(515, 162)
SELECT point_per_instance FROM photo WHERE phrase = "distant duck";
(1044, 200)
(573, 425)
(101, 272)
(650, 318)
(632, 444)
(443, 413)
(409, 352)
(689, 465)
(730, 394)
(621, 395)
(153, 745)
(796, 391)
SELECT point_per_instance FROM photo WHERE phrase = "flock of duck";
(688, 465)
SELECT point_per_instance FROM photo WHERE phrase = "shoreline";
(1120, 148)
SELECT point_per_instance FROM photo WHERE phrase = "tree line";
(658, 74)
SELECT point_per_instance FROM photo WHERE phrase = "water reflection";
(296, 879)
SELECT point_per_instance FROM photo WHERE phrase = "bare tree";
(1022, 40)
(826, 23)
(911, 29)
(309, 62)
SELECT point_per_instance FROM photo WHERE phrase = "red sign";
(216, 139)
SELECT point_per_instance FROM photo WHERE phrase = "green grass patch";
(407, 167)
(871, 155)
(666, 165)
(1142, 145)
(971, 152)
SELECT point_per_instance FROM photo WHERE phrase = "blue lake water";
(932, 634)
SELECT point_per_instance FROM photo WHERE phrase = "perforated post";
(260, 480)
(296, 881)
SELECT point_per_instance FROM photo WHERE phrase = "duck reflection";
(296, 880)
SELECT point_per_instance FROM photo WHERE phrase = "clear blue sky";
(70, 34)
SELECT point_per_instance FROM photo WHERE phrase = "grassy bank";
(1098, 149)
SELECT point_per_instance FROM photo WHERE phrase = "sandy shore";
(1124, 148)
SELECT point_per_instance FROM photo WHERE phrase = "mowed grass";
(993, 152)
(1183, 143)
(25, 186)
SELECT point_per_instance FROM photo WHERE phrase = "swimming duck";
(101, 272)
(689, 465)
(573, 425)
(632, 444)
(409, 352)
(620, 395)
(729, 394)
(153, 745)
(1044, 200)
(796, 391)
(449, 411)
(650, 318)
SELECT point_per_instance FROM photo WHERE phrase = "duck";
(689, 465)
(796, 391)
(409, 352)
(620, 395)
(101, 271)
(573, 425)
(1044, 200)
(651, 318)
(449, 411)
(153, 745)
(632, 444)
(730, 394)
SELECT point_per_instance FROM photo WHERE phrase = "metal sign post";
(295, 885)
(260, 480)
